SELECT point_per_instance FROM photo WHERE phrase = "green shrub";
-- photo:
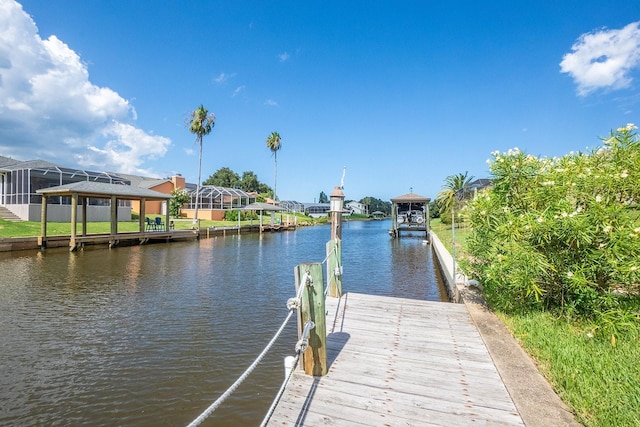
(244, 216)
(561, 234)
(179, 197)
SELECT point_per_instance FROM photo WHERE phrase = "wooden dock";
(399, 362)
(111, 240)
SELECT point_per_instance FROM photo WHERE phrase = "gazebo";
(409, 212)
(84, 190)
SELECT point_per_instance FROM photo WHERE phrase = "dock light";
(336, 204)
(337, 200)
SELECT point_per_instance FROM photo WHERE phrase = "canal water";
(152, 335)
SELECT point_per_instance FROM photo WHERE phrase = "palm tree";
(274, 143)
(201, 123)
(453, 184)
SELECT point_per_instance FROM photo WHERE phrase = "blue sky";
(402, 93)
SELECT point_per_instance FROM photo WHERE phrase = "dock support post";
(334, 268)
(312, 307)
(74, 222)
(42, 241)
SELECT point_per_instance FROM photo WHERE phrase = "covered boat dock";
(261, 207)
(81, 192)
(410, 213)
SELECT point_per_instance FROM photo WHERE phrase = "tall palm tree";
(201, 123)
(452, 184)
(274, 143)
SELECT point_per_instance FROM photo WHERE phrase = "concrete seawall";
(445, 261)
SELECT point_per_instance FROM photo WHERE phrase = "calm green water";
(152, 335)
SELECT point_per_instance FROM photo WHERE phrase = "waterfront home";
(20, 181)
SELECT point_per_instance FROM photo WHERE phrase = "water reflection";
(151, 335)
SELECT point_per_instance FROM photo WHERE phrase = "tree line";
(248, 181)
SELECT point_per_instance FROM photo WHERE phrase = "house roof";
(7, 163)
(259, 206)
(142, 181)
(103, 190)
(410, 198)
(480, 183)
(469, 190)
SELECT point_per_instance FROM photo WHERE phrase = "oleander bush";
(562, 234)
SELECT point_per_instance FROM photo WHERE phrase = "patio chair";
(150, 224)
(159, 224)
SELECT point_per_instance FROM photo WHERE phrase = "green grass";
(445, 235)
(599, 381)
(32, 229)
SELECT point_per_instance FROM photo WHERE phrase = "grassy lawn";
(445, 234)
(599, 381)
(32, 229)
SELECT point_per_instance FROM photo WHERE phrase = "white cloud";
(271, 103)
(238, 90)
(604, 59)
(223, 78)
(49, 109)
(284, 57)
(126, 146)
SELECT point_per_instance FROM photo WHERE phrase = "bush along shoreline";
(556, 244)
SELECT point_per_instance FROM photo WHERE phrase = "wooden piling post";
(312, 307)
(42, 241)
(334, 268)
(336, 205)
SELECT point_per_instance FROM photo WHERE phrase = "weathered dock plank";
(399, 362)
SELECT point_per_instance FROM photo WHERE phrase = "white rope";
(242, 377)
(276, 400)
(294, 303)
(330, 252)
(335, 247)
(301, 347)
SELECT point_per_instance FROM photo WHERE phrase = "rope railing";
(334, 269)
(301, 346)
(242, 377)
(324, 261)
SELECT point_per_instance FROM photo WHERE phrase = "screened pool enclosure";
(19, 182)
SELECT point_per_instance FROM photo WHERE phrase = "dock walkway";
(399, 362)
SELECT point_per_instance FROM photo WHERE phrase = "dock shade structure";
(263, 207)
(409, 213)
(259, 206)
(81, 192)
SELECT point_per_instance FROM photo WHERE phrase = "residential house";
(357, 208)
(19, 181)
